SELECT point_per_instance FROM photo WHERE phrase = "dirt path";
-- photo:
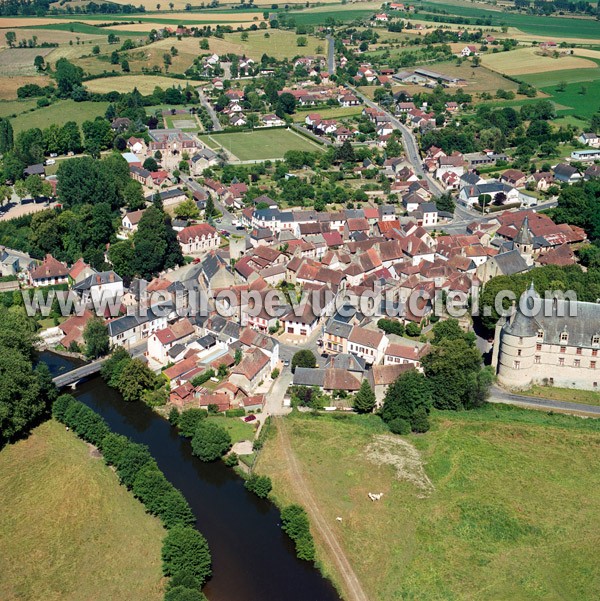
(353, 590)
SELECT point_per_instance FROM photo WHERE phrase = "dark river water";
(253, 560)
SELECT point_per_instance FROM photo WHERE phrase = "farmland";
(581, 98)
(72, 531)
(335, 112)
(59, 113)
(144, 83)
(491, 527)
(261, 144)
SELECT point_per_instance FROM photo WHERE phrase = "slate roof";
(511, 262)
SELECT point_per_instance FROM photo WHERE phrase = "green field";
(552, 27)
(76, 27)
(261, 144)
(321, 17)
(69, 531)
(587, 397)
(59, 113)
(553, 78)
(237, 428)
(581, 105)
(513, 514)
(335, 112)
(14, 107)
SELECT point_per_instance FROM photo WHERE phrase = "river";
(253, 560)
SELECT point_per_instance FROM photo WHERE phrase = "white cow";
(375, 496)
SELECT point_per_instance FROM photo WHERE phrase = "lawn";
(513, 513)
(59, 113)
(587, 397)
(335, 112)
(237, 428)
(144, 83)
(263, 144)
(69, 531)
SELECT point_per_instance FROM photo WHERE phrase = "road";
(330, 53)
(498, 395)
(352, 587)
(411, 146)
(216, 123)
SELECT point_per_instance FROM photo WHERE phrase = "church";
(551, 342)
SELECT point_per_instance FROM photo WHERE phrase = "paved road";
(411, 147)
(498, 395)
(330, 54)
(351, 584)
(203, 100)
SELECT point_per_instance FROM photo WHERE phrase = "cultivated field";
(554, 78)
(48, 35)
(335, 112)
(531, 60)
(280, 44)
(19, 61)
(262, 144)
(59, 113)
(500, 503)
(144, 83)
(69, 531)
(11, 83)
(581, 98)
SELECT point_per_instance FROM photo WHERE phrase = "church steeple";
(523, 241)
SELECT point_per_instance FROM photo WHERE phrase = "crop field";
(490, 504)
(144, 83)
(19, 61)
(10, 84)
(280, 44)
(72, 532)
(550, 27)
(59, 113)
(49, 36)
(580, 98)
(335, 112)
(568, 76)
(531, 60)
(315, 17)
(262, 144)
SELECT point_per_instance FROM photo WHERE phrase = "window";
(538, 359)
(519, 352)
(517, 365)
(578, 351)
(564, 337)
(551, 381)
(563, 349)
(538, 347)
(594, 353)
(576, 363)
(540, 333)
(561, 361)
(596, 339)
(592, 365)
(520, 339)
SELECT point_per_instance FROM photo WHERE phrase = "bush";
(235, 412)
(189, 420)
(61, 405)
(260, 485)
(186, 550)
(132, 460)
(420, 420)
(399, 426)
(202, 378)
(113, 446)
(231, 460)
(182, 593)
(174, 416)
(210, 441)
(275, 374)
(294, 522)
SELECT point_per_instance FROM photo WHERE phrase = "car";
(250, 418)
(219, 220)
(324, 354)
(224, 233)
(286, 363)
(50, 162)
(196, 260)
(240, 227)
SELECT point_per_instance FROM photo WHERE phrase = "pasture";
(59, 113)
(524, 61)
(69, 530)
(510, 493)
(280, 44)
(262, 144)
(335, 112)
(19, 61)
(144, 83)
(569, 76)
(580, 98)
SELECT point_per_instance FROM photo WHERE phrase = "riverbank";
(489, 504)
(69, 523)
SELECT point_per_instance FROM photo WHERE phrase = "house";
(198, 238)
(173, 142)
(514, 177)
(100, 288)
(136, 145)
(14, 261)
(162, 341)
(131, 220)
(566, 173)
(72, 329)
(37, 169)
(202, 160)
(335, 336)
(382, 376)
(49, 273)
(400, 354)
(381, 18)
(129, 330)
(169, 197)
(327, 379)
(469, 50)
(507, 263)
(469, 195)
(272, 121)
(253, 369)
(367, 344)
(590, 139)
(301, 320)
(426, 214)
(542, 180)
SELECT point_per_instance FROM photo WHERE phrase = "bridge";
(73, 376)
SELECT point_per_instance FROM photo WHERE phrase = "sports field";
(499, 503)
(70, 532)
(261, 144)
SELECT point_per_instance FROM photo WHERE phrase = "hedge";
(184, 550)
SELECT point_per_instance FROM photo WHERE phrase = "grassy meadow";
(587, 397)
(499, 503)
(72, 532)
(261, 144)
(238, 429)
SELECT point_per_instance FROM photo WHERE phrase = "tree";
(6, 136)
(407, 397)
(301, 41)
(287, 103)
(209, 209)
(183, 593)
(364, 401)
(68, 77)
(125, 66)
(204, 44)
(135, 379)
(303, 358)
(345, 153)
(39, 63)
(150, 164)
(449, 329)
(260, 485)
(187, 210)
(11, 38)
(244, 36)
(132, 459)
(210, 441)
(186, 550)
(95, 336)
(189, 420)
(133, 196)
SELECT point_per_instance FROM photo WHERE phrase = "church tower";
(524, 241)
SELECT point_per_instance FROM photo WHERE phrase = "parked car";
(286, 363)
(240, 227)
(250, 418)
(196, 260)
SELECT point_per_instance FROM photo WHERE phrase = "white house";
(131, 220)
(162, 341)
(198, 238)
(590, 139)
(102, 287)
(469, 195)
(469, 50)
(129, 330)
(368, 344)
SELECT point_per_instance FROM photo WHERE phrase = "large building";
(553, 342)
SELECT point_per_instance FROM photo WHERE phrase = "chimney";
(111, 276)
(98, 279)
(513, 312)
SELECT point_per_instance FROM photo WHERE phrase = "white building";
(198, 238)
